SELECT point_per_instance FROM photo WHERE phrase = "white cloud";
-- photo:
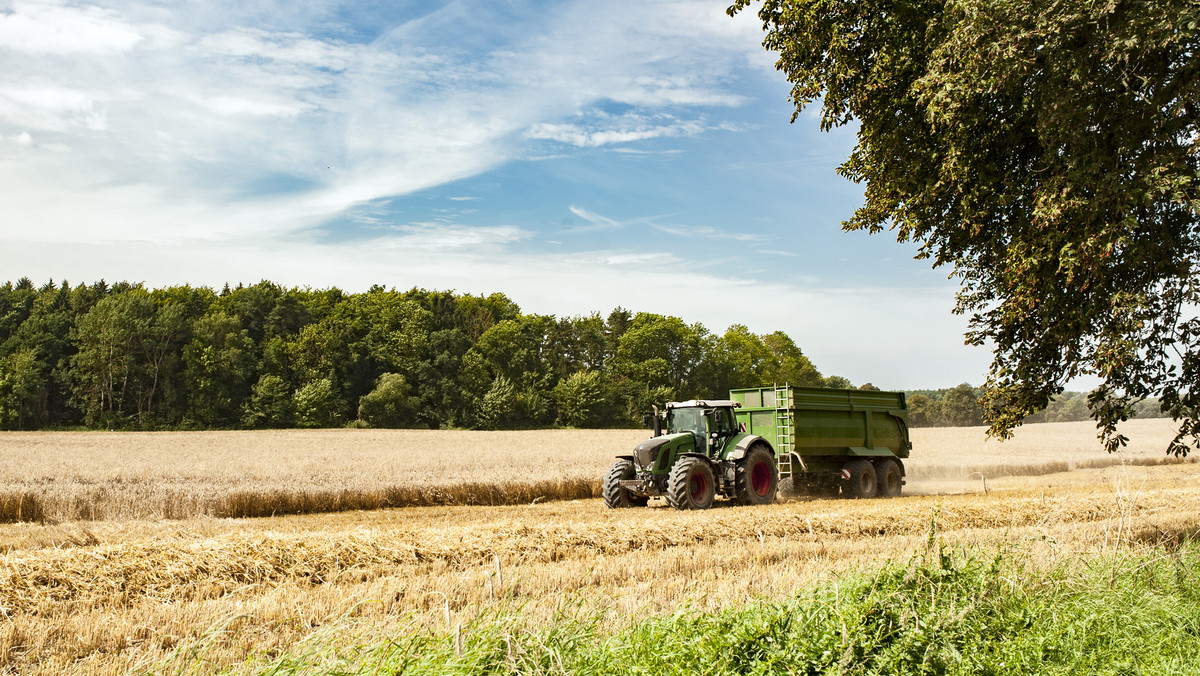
(706, 232)
(428, 238)
(233, 105)
(595, 221)
(50, 108)
(54, 28)
(627, 131)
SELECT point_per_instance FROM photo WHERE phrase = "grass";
(944, 611)
(96, 476)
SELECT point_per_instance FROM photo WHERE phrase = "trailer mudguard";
(739, 445)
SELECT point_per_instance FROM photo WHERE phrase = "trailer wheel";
(890, 479)
(756, 479)
(691, 484)
(616, 497)
(862, 482)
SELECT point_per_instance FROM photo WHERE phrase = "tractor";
(699, 451)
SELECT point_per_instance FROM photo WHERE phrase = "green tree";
(219, 363)
(836, 382)
(270, 404)
(659, 351)
(1048, 153)
(390, 404)
(961, 407)
(738, 358)
(923, 411)
(789, 365)
(498, 408)
(581, 400)
(22, 390)
(317, 405)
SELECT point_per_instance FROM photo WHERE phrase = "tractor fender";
(625, 457)
(740, 445)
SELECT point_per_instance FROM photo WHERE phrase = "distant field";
(135, 475)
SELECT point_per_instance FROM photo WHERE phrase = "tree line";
(123, 356)
(963, 406)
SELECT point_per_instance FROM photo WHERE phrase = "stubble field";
(200, 590)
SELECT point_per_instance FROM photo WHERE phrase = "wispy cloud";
(710, 233)
(595, 221)
(608, 131)
(182, 110)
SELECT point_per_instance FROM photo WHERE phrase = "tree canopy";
(1044, 151)
(124, 356)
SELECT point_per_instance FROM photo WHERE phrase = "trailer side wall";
(828, 422)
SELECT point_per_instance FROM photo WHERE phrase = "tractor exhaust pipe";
(657, 422)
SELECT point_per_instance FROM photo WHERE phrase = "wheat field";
(90, 476)
(206, 593)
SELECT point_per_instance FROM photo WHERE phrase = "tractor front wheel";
(616, 497)
(691, 484)
(862, 482)
(755, 478)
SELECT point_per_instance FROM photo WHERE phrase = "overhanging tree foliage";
(1046, 151)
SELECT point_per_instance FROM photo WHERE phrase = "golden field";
(136, 591)
(93, 476)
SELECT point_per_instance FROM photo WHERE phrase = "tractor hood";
(646, 453)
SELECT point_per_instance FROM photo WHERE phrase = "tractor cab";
(711, 423)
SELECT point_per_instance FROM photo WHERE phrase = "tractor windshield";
(687, 420)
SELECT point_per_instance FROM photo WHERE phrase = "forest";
(123, 356)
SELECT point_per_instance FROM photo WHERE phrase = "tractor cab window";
(724, 421)
(687, 420)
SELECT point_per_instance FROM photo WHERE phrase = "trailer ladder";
(784, 426)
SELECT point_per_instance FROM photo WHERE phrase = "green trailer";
(850, 442)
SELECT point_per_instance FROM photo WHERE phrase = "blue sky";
(576, 156)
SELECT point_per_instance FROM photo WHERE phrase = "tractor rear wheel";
(862, 482)
(890, 478)
(616, 497)
(756, 478)
(691, 484)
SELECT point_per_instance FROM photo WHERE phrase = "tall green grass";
(943, 612)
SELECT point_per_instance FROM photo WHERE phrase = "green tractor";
(703, 452)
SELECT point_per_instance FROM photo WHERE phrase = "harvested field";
(90, 476)
(213, 593)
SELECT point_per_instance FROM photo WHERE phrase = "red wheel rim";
(698, 487)
(760, 478)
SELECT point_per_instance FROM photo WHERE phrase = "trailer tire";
(691, 484)
(863, 482)
(756, 478)
(616, 497)
(890, 478)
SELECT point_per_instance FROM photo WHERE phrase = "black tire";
(616, 497)
(890, 478)
(756, 479)
(691, 484)
(863, 482)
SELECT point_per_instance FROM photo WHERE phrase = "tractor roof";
(704, 403)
